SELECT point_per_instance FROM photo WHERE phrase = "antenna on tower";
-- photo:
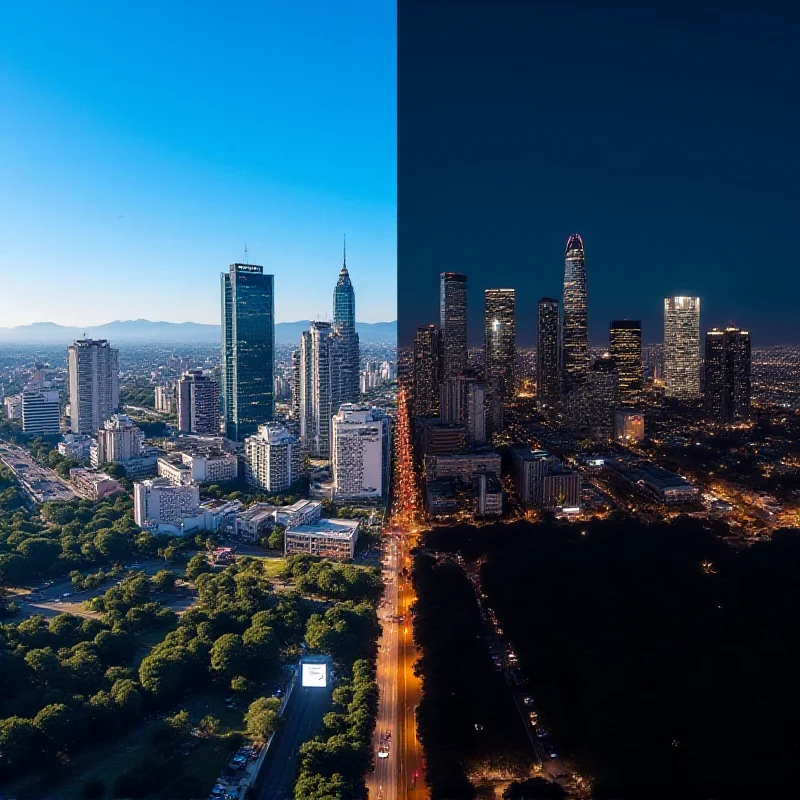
(344, 252)
(245, 254)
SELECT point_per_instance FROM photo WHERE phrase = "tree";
(16, 738)
(58, 725)
(262, 717)
(209, 725)
(197, 566)
(163, 671)
(40, 553)
(164, 580)
(534, 789)
(275, 538)
(228, 655)
(113, 545)
(127, 698)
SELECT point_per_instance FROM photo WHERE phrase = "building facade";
(119, 440)
(727, 375)
(93, 384)
(602, 398)
(344, 326)
(574, 324)
(426, 371)
(682, 347)
(327, 538)
(165, 398)
(453, 323)
(248, 349)
(360, 453)
(41, 412)
(625, 347)
(628, 426)
(320, 358)
(500, 343)
(159, 501)
(198, 403)
(547, 354)
(272, 458)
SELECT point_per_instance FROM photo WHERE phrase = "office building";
(500, 344)
(603, 398)
(207, 467)
(547, 355)
(93, 384)
(541, 480)
(561, 489)
(453, 323)
(462, 466)
(488, 494)
(41, 411)
(435, 437)
(198, 403)
(326, 538)
(426, 372)
(272, 458)
(727, 375)
(625, 347)
(165, 398)
(628, 426)
(295, 387)
(248, 349)
(574, 326)
(360, 453)
(160, 502)
(344, 326)
(682, 347)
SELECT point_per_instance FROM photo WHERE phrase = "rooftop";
(336, 528)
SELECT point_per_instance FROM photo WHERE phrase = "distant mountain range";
(143, 331)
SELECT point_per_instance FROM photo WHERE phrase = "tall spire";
(344, 254)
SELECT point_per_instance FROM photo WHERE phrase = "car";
(553, 754)
(528, 700)
(218, 790)
(67, 594)
(383, 751)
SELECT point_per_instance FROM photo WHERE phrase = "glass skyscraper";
(727, 384)
(547, 385)
(344, 326)
(248, 349)
(574, 327)
(426, 368)
(500, 344)
(625, 347)
(453, 323)
(682, 347)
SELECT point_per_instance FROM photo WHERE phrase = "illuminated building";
(488, 494)
(500, 340)
(628, 425)
(727, 385)
(426, 371)
(453, 323)
(625, 347)
(248, 349)
(574, 326)
(463, 402)
(547, 388)
(603, 398)
(682, 347)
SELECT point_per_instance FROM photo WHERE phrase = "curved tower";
(574, 325)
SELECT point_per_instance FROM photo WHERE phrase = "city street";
(40, 483)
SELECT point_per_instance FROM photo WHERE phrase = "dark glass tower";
(547, 386)
(453, 323)
(500, 344)
(727, 394)
(574, 328)
(426, 368)
(625, 346)
(248, 349)
(344, 327)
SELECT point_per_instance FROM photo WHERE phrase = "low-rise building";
(488, 494)
(328, 538)
(463, 466)
(256, 521)
(208, 467)
(303, 512)
(443, 497)
(660, 484)
(76, 446)
(93, 485)
(159, 502)
(541, 479)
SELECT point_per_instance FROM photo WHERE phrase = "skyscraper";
(426, 371)
(248, 348)
(500, 339)
(453, 323)
(603, 397)
(574, 329)
(625, 346)
(547, 382)
(272, 458)
(198, 403)
(93, 384)
(360, 452)
(727, 390)
(344, 326)
(682, 347)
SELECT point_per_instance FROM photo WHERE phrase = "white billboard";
(315, 675)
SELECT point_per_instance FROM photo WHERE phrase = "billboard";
(315, 675)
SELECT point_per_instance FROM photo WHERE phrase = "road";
(304, 713)
(39, 483)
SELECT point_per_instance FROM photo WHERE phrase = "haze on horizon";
(141, 159)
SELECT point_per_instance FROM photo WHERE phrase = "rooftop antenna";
(245, 254)
(344, 252)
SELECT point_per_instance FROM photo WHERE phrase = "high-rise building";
(464, 402)
(475, 412)
(453, 323)
(295, 394)
(344, 326)
(727, 389)
(574, 326)
(93, 384)
(426, 371)
(198, 403)
(248, 348)
(119, 440)
(360, 452)
(628, 425)
(547, 359)
(625, 347)
(272, 458)
(165, 398)
(500, 347)
(602, 397)
(41, 411)
(682, 347)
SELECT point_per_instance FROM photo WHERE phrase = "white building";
(272, 458)
(303, 512)
(165, 398)
(41, 411)
(198, 403)
(93, 384)
(76, 447)
(360, 451)
(328, 538)
(119, 440)
(13, 406)
(209, 467)
(160, 502)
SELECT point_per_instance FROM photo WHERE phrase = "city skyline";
(160, 170)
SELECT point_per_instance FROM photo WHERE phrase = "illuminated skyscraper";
(500, 345)
(344, 326)
(682, 347)
(453, 323)
(426, 372)
(248, 349)
(602, 397)
(547, 388)
(625, 340)
(574, 330)
(727, 395)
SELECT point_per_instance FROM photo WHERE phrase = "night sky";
(666, 136)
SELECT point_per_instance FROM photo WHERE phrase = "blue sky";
(144, 143)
